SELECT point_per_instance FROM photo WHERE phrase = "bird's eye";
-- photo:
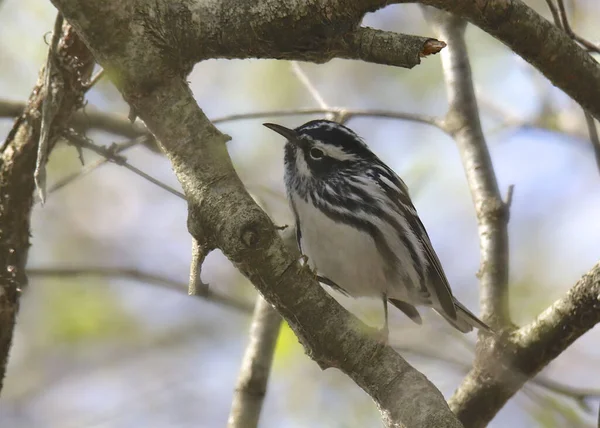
(316, 153)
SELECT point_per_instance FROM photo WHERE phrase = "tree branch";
(221, 211)
(111, 154)
(50, 106)
(567, 27)
(116, 148)
(502, 364)
(137, 275)
(462, 122)
(537, 41)
(563, 22)
(252, 381)
(493, 380)
(121, 125)
(18, 155)
(195, 286)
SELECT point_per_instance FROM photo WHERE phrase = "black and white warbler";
(357, 226)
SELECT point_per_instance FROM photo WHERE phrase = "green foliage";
(77, 311)
(554, 412)
(287, 347)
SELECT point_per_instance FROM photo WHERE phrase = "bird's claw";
(382, 335)
(304, 262)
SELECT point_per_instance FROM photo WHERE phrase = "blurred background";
(110, 351)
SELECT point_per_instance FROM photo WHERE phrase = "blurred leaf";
(553, 412)
(76, 311)
(287, 346)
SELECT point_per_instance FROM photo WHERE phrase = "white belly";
(347, 256)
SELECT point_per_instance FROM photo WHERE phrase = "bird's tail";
(465, 319)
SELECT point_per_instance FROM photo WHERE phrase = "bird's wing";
(397, 191)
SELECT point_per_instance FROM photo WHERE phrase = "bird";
(358, 228)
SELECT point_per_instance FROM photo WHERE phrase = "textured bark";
(17, 164)
(462, 122)
(539, 42)
(499, 372)
(319, 30)
(504, 362)
(131, 43)
(251, 386)
(149, 46)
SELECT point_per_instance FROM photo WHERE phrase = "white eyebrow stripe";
(334, 151)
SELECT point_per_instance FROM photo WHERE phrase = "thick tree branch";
(496, 378)
(462, 122)
(220, 206)
(251, 386)
(225, 214)
(74, 64)
(502, 364)
(566, 64)
(314, 30)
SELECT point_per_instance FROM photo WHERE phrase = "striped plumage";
(358, 227)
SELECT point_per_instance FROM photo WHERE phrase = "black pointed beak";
(287, 133)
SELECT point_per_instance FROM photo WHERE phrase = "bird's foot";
(382, 335)
(304, 260)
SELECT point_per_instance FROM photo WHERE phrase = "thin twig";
(137, 275)
(553, 11)
(251, 385)
(567, 27)
(118, 124)
(340, 115)
(336, 111)
(196, 286)
(508, 202)
(563, 22)
(312, 90)
(95, 79)
(109, 153)
(463, 123)
(52, 85)
(593, 131)
(118, 148)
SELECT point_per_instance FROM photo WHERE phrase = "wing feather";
(397, 191)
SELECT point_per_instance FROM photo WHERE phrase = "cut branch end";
(431, 47)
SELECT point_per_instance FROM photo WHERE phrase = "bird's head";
(322, 148)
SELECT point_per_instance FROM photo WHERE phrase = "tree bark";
(18, 156)
(143, 49)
